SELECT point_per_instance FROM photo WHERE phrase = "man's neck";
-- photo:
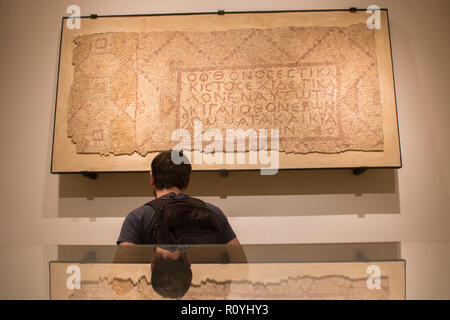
(162, 192)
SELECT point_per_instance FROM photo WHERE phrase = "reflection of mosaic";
(346, 280)
(317, 85)
(327, 287)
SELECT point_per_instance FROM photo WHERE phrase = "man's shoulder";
(222, 220)
(142, 212)
(213, 208)
(217, 213)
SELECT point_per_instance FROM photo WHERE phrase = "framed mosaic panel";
(314, 87)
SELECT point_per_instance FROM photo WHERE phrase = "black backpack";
(183, 221)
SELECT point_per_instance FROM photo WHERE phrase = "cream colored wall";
(411, 205)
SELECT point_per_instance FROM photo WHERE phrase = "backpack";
(183, 221)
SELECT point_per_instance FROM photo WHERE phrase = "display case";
(284, 271)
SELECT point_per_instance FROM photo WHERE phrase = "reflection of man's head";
(171, 273)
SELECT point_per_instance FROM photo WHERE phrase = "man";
(169, 180)
(171, 273)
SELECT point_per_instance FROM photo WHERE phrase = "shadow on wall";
(241, 193)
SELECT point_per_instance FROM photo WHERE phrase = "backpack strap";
(158, 205)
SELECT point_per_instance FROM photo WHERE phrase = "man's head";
(171, 273)
(166, 174)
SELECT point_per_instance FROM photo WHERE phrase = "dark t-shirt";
(138, 224)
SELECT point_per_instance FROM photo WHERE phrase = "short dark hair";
(167, 174)
(171, 278)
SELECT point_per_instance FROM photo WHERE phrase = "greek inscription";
(300, 101)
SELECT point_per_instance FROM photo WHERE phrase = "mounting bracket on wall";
(90, 175)
(359, 171)
(224, 173)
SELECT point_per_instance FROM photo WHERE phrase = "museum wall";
(410, 205)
